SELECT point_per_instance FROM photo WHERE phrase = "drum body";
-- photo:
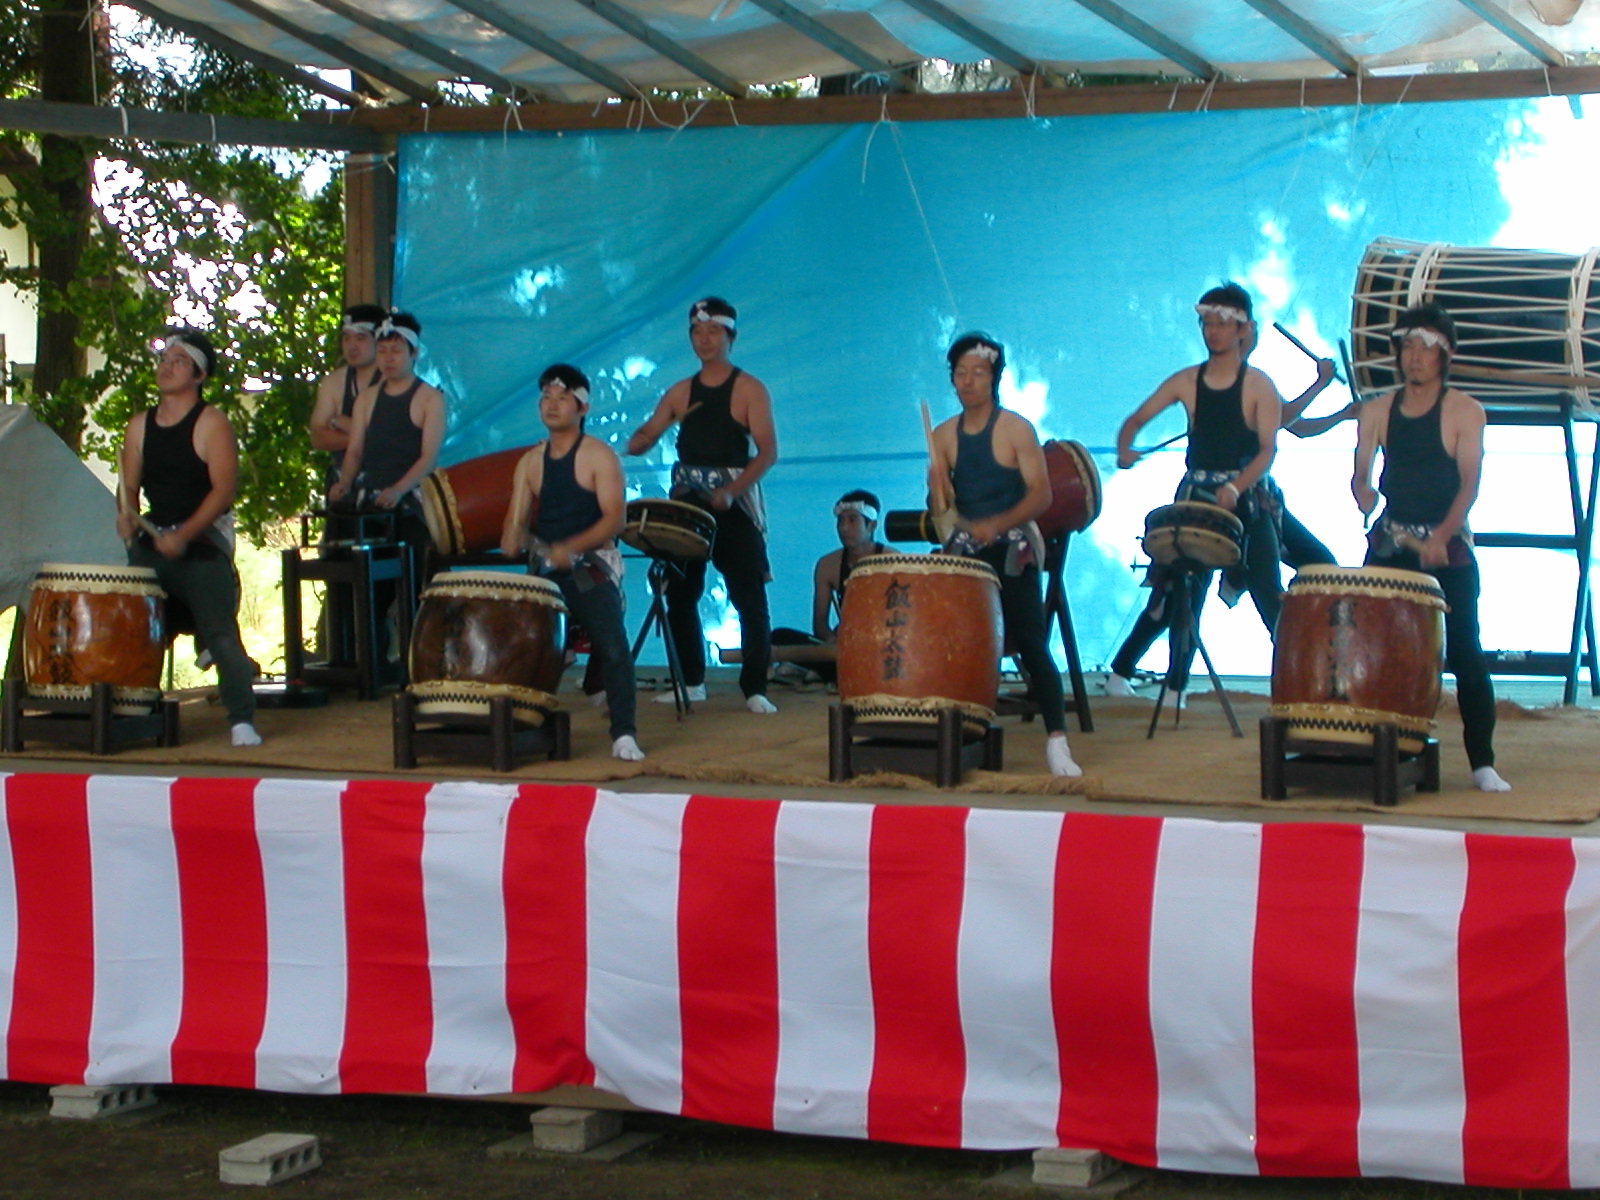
(465, 506)
(1074, 489)
(917, 525)
(482, 634)
(94, 624)
(1528, 311)
(919, 633)
(670, 529)
(1358, 647)
(1191, 529)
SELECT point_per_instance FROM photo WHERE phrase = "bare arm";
(130, 476)
(1169, 393)
(606, 482)
(823, 580)
(1263, 407)
(356, 448)
(668, 410)
(524, 487)
(330, 429)
(1464, 439)
(214, 443)
(1371, 422)
(750, 394)
(941, 489)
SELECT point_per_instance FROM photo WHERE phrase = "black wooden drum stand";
(945, 750)
(661, 569)
(1184, 575)
(497, 734)
(87, 722)
(1383, 767)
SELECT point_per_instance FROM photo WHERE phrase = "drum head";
(1207, 534)
(671, 529)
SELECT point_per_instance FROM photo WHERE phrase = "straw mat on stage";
(1548, 754)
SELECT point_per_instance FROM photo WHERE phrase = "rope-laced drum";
(1359, 647)
(92, 624)
(464, 506)
(919, 633)
(483, 634)
(669, 529)
(1193, 530)
(1074, 489)
(1527, 321)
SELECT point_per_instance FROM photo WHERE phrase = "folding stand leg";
(656, 619)
(1183, 637)
(839, 722)
(405, 724)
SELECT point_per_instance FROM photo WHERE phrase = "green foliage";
(241, 241)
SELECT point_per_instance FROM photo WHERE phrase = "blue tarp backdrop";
(856, 253)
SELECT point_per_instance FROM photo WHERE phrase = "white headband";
(983, 351)
(1226, 311)
(389, 327)
(358, 327)
(701, 313)
(580, 394)
(860, 506)
(188, 348)
(1429, 337)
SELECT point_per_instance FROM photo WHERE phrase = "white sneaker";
(626, 749)
(693, 694)
(1116, 685)
(203, 661)
(760, 705)
(1487, 779)
(1058, 756)
(244, 734)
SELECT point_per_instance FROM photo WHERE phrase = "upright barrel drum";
(91, 624)
(1359, 647)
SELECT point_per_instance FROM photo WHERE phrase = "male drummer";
(577, 481)
(334, 412)
(989, 467)
(1431, 435)
(182, 454)
(1234, 414)
(724, 412)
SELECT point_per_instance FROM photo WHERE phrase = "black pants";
(1463, 653)
(1022, 613)
(740, 553)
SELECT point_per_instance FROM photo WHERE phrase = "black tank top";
(393, 443)
(174, 478)
(565, 506)
(1219, 439)
(1420, 480)
(983, 486)
(708, 436)
(352, 389)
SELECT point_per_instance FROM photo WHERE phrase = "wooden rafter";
(457, 64)
(1516, 31)
(536, 39)
(982, 39)
(664, 46)
(825, 37)
(1307, 34)
(1149, 35)
(146, 125)
(339, 52)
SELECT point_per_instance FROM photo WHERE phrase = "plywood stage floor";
(1550, 754)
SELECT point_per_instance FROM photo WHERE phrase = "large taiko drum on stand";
(1074, 489)
(465, 505)
(1195, 531)
(1359, 647)
(919, 633)
(669, 529)
(1527, 321)
(483, 634)
(95, 624)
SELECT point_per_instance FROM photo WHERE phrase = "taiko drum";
(919, 633)
(669, 529)
(95, 624)
(465, 505)
(1194, 531)
(1359, 647)
(1074, 489)
(483, 634)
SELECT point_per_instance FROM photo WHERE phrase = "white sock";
(760, 705)
(626, 749)
(694, 693)
(1487, 779)
(1058, 756)
(203, 661)
(244, 734)
(597, 699)
(1116, 685)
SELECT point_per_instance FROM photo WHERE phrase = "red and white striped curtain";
(1284, 999)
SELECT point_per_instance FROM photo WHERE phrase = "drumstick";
(1349, 372)
(1177, 437)
(139, 518)
(1301, 346)
(935, 459)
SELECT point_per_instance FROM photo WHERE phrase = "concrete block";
(573, 1130)
(81, 1102)
(1066, 1166)
(270, 1158)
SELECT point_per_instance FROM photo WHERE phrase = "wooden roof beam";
(457, 64)
(1517, 32)
(537, 39)
(975, 36)
(1307, 34)
(338, 51)
(196, 129)
(665, 46)
(205, 35)
(1149, 35)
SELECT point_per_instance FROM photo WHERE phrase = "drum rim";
(926, 564)
(1320, 578)
(1091, 478)
(129, 570)
(1199, 506)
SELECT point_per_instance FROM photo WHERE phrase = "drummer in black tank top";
(576, 481)
(333, 413)
(1431, 435)
(726, 445)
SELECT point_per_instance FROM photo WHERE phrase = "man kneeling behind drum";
(577, 481)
